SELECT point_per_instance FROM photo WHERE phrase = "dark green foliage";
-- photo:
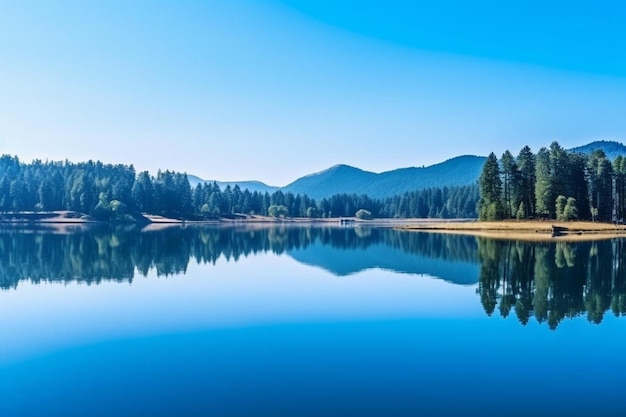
(619, 171)
(490, 206)
(544, 193)
(560, 207)
(551, 175)
(511, 180)
(559, 169)
(577, 186)
(600, 174)
(526, 175)
(113, 192)
(554, 184)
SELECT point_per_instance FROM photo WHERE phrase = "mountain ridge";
(612, 149)
(340, 179)
(345, 179)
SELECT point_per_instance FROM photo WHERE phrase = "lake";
(308, 321)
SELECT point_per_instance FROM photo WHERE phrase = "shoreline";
(527, 230)
(70, 217)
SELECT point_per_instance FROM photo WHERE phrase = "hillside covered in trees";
(114, 192)
(455, 172)
(553, 184)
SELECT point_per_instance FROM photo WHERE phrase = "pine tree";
(510, 185)
(619, 171)
(526, 167)
(543, 185)
(600, 173)
(490, 203)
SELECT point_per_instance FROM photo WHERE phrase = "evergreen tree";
(490, 203)
(600, 173)
(526, 166)
(560, 207)
(559, 169)
(570, 211)
(510, 185)
(544, 193)
(577, 186)
(619, 172)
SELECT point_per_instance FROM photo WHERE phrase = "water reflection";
(552, 281)
(96, 254)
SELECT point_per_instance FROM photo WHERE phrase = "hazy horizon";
(275, 90)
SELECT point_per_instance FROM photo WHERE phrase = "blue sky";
(273, 90)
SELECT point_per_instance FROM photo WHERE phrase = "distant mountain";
(612, 149)
(462, 170)
(252, 186)
(340, 179)
(334, 180)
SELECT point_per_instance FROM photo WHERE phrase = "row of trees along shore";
(553, 184)
(114, 192)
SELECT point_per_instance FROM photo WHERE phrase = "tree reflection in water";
(96, 254)
(550, 281)
(553, 280)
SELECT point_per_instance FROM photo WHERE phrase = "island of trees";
(553, 184)
(116, 192)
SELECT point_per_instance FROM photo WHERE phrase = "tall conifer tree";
(490, 183)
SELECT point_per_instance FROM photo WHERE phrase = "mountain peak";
(344, 179)
(339, 167)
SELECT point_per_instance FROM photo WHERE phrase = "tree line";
(552, 184)
(114, 192)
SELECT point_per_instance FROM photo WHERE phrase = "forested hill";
(611, 149)
(344, 179)
(459, 171)
(117, 193)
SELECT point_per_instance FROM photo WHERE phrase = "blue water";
(268, 336)
(397, 367)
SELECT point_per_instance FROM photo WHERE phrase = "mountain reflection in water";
(550, 281)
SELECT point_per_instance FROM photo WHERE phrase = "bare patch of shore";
(525, 230)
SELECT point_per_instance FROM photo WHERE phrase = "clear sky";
(273, 90)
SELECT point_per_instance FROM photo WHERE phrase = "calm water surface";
(308, 321)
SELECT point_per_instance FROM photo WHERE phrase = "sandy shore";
(525, 230)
